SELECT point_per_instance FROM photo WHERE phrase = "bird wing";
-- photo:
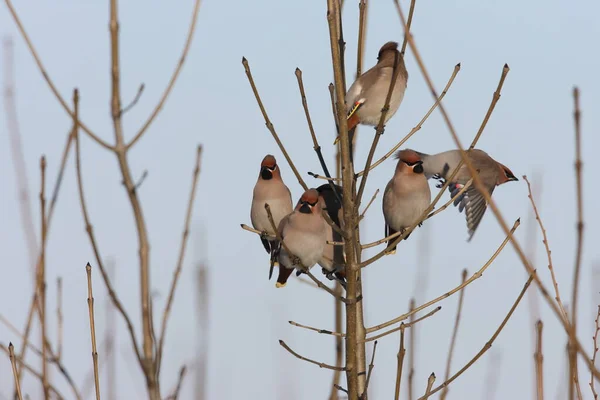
(473, 202)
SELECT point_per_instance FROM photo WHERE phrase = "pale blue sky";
(549, 47)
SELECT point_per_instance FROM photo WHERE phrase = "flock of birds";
(303, 229)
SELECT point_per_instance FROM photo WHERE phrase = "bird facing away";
(333, 261)
(304, 233)
(492, 173)
(367, 95)
(269, 189)
(406, 195)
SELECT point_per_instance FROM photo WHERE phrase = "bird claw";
(420, 224)
(264, 235)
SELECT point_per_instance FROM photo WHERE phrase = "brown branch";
(175, 394)
(419, 125)
(578, 254)
(403, 325)
(474, 277)
(430, 382)
(41, 280)
(31, 370)
(413, 347)
(362, 215)
(59, 317)
(46, 76)
(454, 335)
(592, 383)
(480, 187)
(90, 231)
(362, 18)
(354, 322)
(90, 301)
(148, 364)
(539, 361)
(179, 266)
(137, 97)
(338, 342)
(13, 363)
(269, 125)
(485, 347)
(371, 366)
(401, 354)
(320, 364)
(548, 251)
(171, 84)
(51, 359)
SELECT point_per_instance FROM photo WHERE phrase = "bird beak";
(418, 168)
(266, 173)
(305, 208)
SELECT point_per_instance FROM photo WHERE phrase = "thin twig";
(59, 318)
(362, 215)
(413, 348)
(147, 364)
(485, 347)
(371, 366)
(461, 297)
(548, 251)
(13, 363)
(578, 254)
(179, 265)
(474, 277)
(90, 301)
(52, 357)
(171, 84)
(175, 394)
(320, 364)
(316, 145)
(539, 361)
(32, 371)
(269, 125)
(90, 231)
(401, 354)
(430, 382)
(403, 326)
(41, 280)
(592, 383)
(137, 97)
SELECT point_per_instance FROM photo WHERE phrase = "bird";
(304, 234)
(406, 196)
(492, 173)
(333, 261)
(367, 95)
(270, 189)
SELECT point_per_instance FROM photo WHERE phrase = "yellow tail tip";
(391, 252)
(279, 285)
(336, 141)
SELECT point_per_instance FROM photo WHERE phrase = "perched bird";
(333, 261)
(269, 189)
(492, 173)
(366, 97)
(406, 195)
(304, 233)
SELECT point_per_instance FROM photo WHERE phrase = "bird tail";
(284, 274)
(389, 232)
